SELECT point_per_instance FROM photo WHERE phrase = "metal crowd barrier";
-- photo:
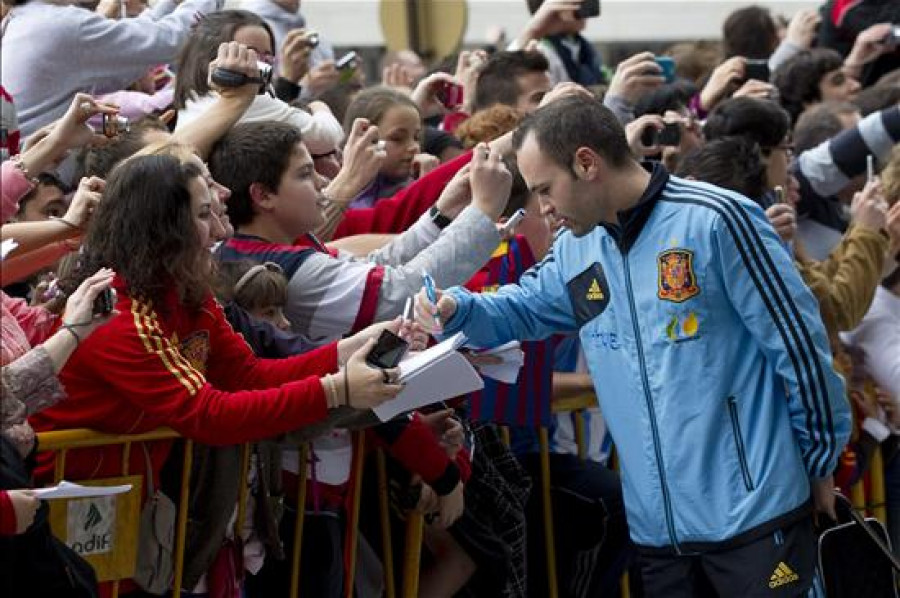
(63, 441)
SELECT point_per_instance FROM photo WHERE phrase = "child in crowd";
(399, 125)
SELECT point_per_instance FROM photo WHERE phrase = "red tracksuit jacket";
(151, 367)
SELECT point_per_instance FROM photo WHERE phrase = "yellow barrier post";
(412, 561)
(353, 518)
(384, 508)
(876, 487)
(181, 522)
(549, 539)
(580, 443)
(298, 522)
(243, 491)
(858, 496)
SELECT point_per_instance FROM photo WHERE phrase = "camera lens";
(312, 40)
(265, 72)
(113, 125)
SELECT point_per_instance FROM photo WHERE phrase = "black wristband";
(286, 90)
(439, 219)
(447, 481)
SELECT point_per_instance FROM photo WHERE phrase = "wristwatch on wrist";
(439, 219)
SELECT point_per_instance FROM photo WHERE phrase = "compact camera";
(113, 125)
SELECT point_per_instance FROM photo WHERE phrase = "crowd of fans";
(209, 218)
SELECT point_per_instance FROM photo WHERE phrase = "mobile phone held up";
(670, 135)
(450, 95)
(346, 64)
(105, 302)
(588, 9)
(667, 64)
(758, 69)
(389, 349)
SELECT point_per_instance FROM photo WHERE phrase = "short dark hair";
(820, 123)
(534, 5)
(497, 82)
(762, 121)
(878, 97)
(749, 32)
(202, 47)
(519, 193)
(565, 125)
(257, 152)
(337, 98)
(733, 163)
(798, 78)
(144, 230)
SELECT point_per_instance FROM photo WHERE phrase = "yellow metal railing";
(63, 441)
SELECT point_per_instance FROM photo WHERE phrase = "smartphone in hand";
(389, 349)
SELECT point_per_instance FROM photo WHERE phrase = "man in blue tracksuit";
(713, 366)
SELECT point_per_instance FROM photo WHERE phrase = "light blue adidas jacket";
(712, 365)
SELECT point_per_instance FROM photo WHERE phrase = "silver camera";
(114, 125)
(265, 72)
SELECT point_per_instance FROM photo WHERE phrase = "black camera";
(105, 302)
(228, 78)
(757, 68)
(588, 9)
(670, 135)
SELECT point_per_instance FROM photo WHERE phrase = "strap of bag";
(149, 474)
(860, 520)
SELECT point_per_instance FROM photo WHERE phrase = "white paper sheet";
(436, 374)
(513, 358)
(69, 490)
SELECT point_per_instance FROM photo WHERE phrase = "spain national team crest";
(196, 349)
(677, 280)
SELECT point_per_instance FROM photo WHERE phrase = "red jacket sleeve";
(396, 214)
(131, 374)
(7, 515)
(233, 365)
(414, 445)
